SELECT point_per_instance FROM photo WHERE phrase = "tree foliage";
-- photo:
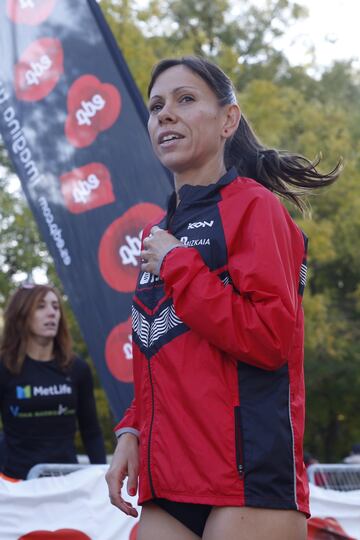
(289, 108)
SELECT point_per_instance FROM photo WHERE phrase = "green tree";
(21, 249)
(122, 19)
(289, 108)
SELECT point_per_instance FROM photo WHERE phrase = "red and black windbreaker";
(218, 353)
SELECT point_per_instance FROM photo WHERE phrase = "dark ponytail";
(289, 175)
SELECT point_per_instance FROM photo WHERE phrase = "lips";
(169, 136)
(51, 322)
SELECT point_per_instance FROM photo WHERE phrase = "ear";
(232, 116)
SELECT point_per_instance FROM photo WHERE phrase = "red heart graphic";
(133, 533)
(87, 187)
(93, 107)
(118, 352)
(119, 248)
(326, 528)
(39, 69)
(31, 12)
(60, 534)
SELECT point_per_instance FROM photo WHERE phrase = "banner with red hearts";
(74, 124)
(88, 514)
(75, 506)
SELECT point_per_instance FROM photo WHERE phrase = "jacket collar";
(189, 194)
(198, 192)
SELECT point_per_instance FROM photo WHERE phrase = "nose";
(51, 311)
(166, 115)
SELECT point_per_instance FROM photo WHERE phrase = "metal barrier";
(341, 477)
(54, 469)
(58, 469)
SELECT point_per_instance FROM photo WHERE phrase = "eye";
(155, 107)
(186, 99)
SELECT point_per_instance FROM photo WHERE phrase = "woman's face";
(186, 123)
(44, 321)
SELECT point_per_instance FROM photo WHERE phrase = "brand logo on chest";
(199, 224)
(26, 392)
(195, 242)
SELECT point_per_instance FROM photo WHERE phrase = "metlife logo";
(23, 392)
(26, 392)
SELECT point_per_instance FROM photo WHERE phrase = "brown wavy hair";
(17, 316)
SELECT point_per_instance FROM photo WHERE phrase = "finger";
(144, 254)
(128, 508)
(115, 485)
(114, 481)
(115, 497)
(124, 506)
(132, 479)
(147, 267)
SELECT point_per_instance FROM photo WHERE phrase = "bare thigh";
(156, 524)
(234, 523)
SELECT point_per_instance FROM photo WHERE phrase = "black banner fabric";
(74, 124)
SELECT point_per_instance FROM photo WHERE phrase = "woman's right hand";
(125, 463)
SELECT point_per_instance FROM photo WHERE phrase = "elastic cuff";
(121, 431)
(165, 253)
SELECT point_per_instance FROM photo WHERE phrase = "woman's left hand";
(156, 246)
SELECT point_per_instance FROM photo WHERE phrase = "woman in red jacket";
(216, 426)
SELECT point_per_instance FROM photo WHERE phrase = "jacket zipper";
(150, 431)
(238, 442)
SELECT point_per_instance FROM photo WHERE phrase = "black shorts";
(193, 516)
